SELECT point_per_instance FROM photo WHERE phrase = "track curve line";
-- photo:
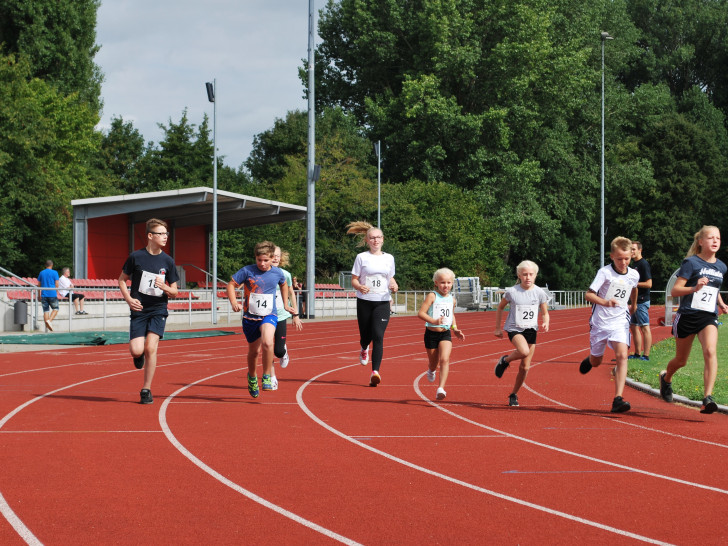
(571, 517)
(232, 485)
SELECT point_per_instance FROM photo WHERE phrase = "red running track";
(328, 459)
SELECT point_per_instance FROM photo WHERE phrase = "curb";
(676, 397)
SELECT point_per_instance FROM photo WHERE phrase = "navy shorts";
(433, 337)
(49, 303)
(684, 325)
(529, 334)
(151, 321)
(251, 328)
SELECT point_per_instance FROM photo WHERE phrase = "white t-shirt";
(64, 282)
(609, 284)
(374, 271)
(524, 307)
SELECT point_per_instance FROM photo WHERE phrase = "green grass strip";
(687, 381)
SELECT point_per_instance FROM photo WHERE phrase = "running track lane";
(332, 460)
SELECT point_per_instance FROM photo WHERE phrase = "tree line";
(489, 117)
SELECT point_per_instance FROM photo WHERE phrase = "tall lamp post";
(605, 37)
(377, 150)
(211, 97)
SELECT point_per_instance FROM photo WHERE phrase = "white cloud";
(156, 56)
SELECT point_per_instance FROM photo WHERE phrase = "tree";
(59, 39)
(46, 140)
(122, 149)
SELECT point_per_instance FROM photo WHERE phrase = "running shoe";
(709, 405)
(267, 383)
(632, 357)
(284, 358)
(375, 379)
(665, 387)
(431, 375)
(585, 366)
(274, 383)
(139, 362)
(501, 366)
(512, 399)
(620, 405)
(645, 357)
(364, 356)
(146, 397)
(441, 394)
(253, 386)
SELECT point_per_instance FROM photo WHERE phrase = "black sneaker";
(512, 399)
(665, 387)
(619, 405)
(139, 362)
(585, 366)
(146, 397)
(709, 405)
(501, 366)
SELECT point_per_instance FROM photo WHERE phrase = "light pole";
(312, 175)
(605, 36)
(377, 150)
(211, 97)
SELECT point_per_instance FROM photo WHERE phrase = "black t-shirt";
(143, 267)
(645, 271)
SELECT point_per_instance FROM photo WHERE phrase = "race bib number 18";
(377, 284)
(146, 285)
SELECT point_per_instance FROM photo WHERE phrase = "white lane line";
(302, 404)
(564, 451)
(234, 486)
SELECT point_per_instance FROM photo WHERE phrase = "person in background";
(639, 326)
(48, 278)
(64, 285)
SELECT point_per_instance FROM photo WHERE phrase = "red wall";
(108, 246)
(190, 247)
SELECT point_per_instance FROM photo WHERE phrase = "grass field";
(688, 381)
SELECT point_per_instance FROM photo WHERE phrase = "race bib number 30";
(620, 291)
(443, 310)
(705, 299)
(377, 284)
(260, 304)
(146, 285)
(527, 316)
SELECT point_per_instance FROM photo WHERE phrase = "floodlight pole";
(377, 149)
(311, 178)
(605, 36)
(211, 97)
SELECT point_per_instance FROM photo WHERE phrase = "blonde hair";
(695, 248)
(264, 247)
(285, 257)
(621, 243)
(361, 229)
(443, 272)
(525, 264)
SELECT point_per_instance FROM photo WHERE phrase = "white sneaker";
(441, 394)
(274, 383)
(364, 356)
(375, 379)
(431, 375)
(284, 358)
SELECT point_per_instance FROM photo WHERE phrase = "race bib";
(377, 284)
(260, 304)
(527, 316)
(146, 285)
(620, 291)
(705, 299)
(443, 310)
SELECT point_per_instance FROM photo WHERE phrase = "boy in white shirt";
(613, 295)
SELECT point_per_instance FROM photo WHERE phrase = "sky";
(156, 56)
